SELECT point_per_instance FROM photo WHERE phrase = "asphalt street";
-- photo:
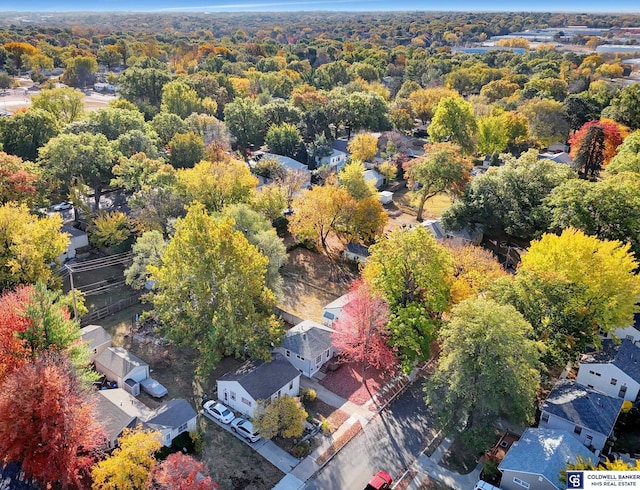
(389, 442)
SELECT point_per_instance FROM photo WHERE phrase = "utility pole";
(73, 292)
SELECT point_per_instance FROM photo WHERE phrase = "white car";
(218, 411)
(63, 206)
(245, 429)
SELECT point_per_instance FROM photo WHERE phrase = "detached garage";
(121, 366)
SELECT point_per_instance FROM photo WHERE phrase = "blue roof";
(582, 406)
(544, 452)
(625, 356)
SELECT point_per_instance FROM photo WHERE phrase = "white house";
(336, 160)
(292, 165)
(258, 380)
(332, 311)
(631, 332)
(587, 415)
(535, 461)
(77, 239)
(356, 252)
(558, 157)
(375, 177)
(614, 370)
(97, 339)
(121, 366)
(463, 236)
(118, 409)
(307, 346)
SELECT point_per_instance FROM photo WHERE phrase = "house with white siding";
(258, 380)
(587, 415)
(614, 370)
(307, 346)
(630, 332)
(332, 311)
(96, 338)
(121, 366)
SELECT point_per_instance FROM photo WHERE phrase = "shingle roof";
(308, 339)
(434, 226)
(72, 231)
(544, 452)
(119, 360)
(288, 162)
(262, 379)
(173, 413)
(340, 302)
(111, 416)
(581, 406)
(625, 356)
(95, 335)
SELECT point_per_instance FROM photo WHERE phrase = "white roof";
(287, 162)
(340, 302)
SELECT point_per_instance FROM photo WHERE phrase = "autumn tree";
(475, 270)
(283, 139)
(65, 104)
(547, 123)
(130, 464)
(51, 429)
(80, 71)
(271, 201)
(139, 172)
(185, 150)
(413, 273)
(493, 136)
(363, 220)
(20, 181)
(613, 134)
(488, 369)
(157, 209)
(352, 179)
(211, 292)
(425, 100)
(17, 50)
(147, 250)
(454, 121)
(30, 244)
(25, 132)
(110, 229)
(441, 169)
(361, 334)
(180, 99)
(363, 147)
(284, 417)
(179, 472)
(589, 154)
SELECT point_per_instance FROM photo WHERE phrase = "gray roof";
(544, 452)
(95, 335)
(72, 231)
(434, 226)
(288, 162)
(173, 413)
(357, 249)
(262, 379)
(112, 417)
(340, 145)
(119, 360)
(582, 406)
(625, 356)
(308, 339)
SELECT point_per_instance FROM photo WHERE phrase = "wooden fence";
(286, 316)
(107, 310)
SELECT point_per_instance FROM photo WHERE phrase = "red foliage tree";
(17, 182)
(361, 333)
(50, 429)
(13, 352)
(614, 135)
(180, 472)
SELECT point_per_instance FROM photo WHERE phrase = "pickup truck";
(380, 481)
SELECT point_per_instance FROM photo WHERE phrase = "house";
(375, 177)
(535, 461)
(614, 370)
(341, 145)
(77, 239)
(336, 160)
(463, 236)
(356, 252)
(631, 332)
(332, 311)
(97, 339)
(307, 346)
(587, 415)
(118, 409)
(119, 365)
(292, 165)
(558, 157)
(258, 380)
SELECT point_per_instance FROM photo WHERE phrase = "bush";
(301, 450)
(308, 395)
(198, 440)
(325, 426)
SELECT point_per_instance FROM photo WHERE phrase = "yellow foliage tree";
(284, 417)
(129, 465)
(425, 100)
(352, 178)
(363, 147)
(475, 269)
(110, 229)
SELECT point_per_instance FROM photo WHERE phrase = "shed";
(385, 197)
(97, 339)
(356, 252)
(332, 311)
(77, 239)
(120, 365)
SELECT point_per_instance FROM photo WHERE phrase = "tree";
(140, 172)
(147, 250)
(19, 49)
(605, 267)
(186, 149)
(142, 84)
(20, 181)
(130, 464)
(493, 137)
(414, 275)
(110, 56)
(25, 132)
(488, 368)
(65, 104)
(217, 184)
(283, 139)
(157, 209)
(110, 230)
(508, 200)
(361, 334)
(547, 123)
(454, 121)
(614, 134)
(244, 119)
(167, 125)
(625, 108)
(627, 158)
(80, 71)
(180, 99)
(363, 147)
(180, 472)
(425, 100)
(284, 417)
(581, 464)
(113, 122)
(51, 429)
(30, 244)
(363, 220)
(317, 212)
(589, 156)
(136, 141)
(352, 179)
(211, 292)
(271, 201)
(86, 157)
(441, 169)
(212, 131)
(580, 109)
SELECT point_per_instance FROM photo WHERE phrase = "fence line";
(286, 316)
(107, 310)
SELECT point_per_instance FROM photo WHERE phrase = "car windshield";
(225, 411)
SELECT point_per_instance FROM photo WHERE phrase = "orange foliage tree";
(614, 135)
(180, 472)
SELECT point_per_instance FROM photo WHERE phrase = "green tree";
(140, 172)
(167, 125)
(65, 104)
(283, 139)
(136, 141)
(271, 201)
(352, 179)
(186, 149)
(547, 122)
(625, 108)
(80, 71)
(25, 132)
(628, 157)
(283, 417)
(453, 120)
(113, 122)
(493, 136)
(441, 169)
(180, 99)
(488, 368)
(147, 250)
(142, 84)
(211, 293)
(244, 119)
(580, 109)
(414, 274)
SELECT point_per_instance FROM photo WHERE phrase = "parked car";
(63, 206)
(245, 429)
(154, 388)
(218, 411)
(380, 481)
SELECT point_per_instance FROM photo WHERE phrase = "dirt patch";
(321, 411)
(459, 458)
(346, 381)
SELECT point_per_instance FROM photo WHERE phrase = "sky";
(315, 5)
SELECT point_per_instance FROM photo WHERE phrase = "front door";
(623, 392)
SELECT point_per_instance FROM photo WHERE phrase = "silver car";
(245, 429)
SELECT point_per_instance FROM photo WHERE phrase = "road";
(389, 442)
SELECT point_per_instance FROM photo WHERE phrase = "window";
(290, 386)
(629, 337)
(594, 373)
(182, 428)
(245, 401)
(233, 396)
(614, 381)
(577, 430)
(590, 387)
(520, 482)
(318, 360)
(588, 441)
(326, 354)
(288, 353)
(544, 417)
(167, 439)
